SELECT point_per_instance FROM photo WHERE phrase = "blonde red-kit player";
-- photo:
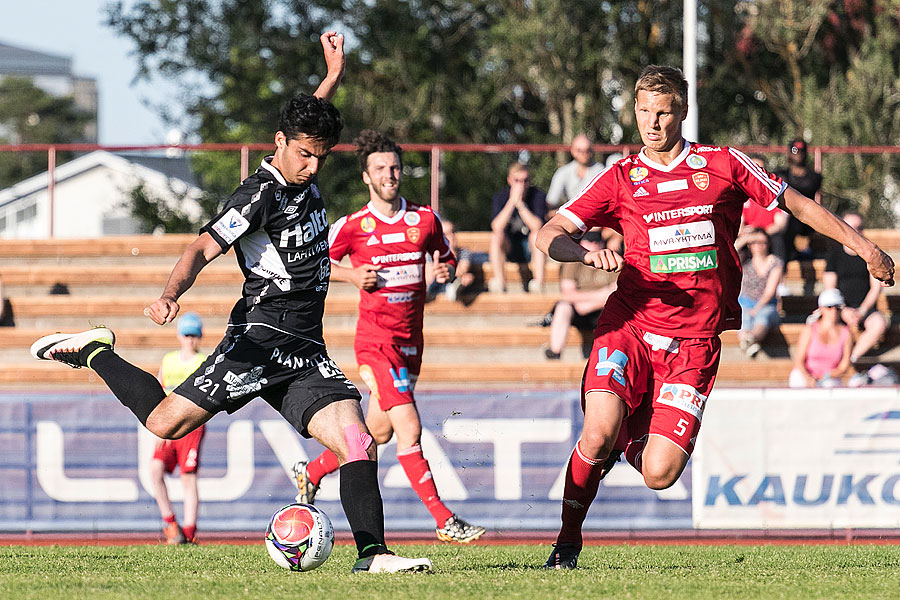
(656, 348)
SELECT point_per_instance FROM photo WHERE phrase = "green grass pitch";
(477, 572)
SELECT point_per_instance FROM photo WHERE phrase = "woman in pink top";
(823, 351)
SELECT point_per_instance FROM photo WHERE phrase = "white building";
(91, 196)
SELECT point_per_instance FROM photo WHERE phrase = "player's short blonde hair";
(663, 80)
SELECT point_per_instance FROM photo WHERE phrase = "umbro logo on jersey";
(641, 192)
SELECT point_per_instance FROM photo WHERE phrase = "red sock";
(419, 474)
(189, 532)
(169, 519)
(634, 452)
(324, 464)
(582, 481)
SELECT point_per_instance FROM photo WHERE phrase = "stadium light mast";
(689, 60)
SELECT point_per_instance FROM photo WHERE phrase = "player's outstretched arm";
(196, 256)
(881, 266)
(333, 46)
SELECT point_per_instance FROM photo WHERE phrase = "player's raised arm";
(333, 47)
(881, 266)
(196, 256)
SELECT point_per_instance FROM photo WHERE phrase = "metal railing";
(434, 150)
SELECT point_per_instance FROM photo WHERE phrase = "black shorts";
(294, 375)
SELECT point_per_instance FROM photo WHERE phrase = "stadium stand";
(489, 340)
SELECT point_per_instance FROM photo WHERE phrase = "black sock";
(138, 390)
(361, 500)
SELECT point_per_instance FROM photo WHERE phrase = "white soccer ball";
(299, 537)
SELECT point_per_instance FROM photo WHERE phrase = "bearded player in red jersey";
(656, 345)
(387, 242)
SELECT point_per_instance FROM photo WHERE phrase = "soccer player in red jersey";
(656, 345)
(387, 242)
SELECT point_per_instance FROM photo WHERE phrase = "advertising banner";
(816, 458)
(75, 461)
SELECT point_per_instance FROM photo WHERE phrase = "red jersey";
(755, 215)
(397, 245)
(682, 275)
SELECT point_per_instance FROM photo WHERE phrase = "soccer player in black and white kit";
(273, 346)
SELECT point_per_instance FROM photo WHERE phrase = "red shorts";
(183, 452)
(390, 372)
(664, 382)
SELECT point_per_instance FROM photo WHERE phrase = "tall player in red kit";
(656, 345)
(387, 242)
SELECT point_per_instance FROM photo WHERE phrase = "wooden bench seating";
(772, 372)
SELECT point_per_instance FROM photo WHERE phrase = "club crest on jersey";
(640, 193)
(701, 180)
(638, 175)
(412, 218)
(413, 234)
(367, 224)
(696, 162)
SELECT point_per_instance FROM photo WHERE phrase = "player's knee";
(408, 435)
(381, 435)
(596, 445)
(359, 444)
(163, 428)
(658, 475)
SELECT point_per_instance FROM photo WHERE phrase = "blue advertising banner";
(79, 461)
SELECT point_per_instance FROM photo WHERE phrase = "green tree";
(158, 214)
(28, 115)
(830, 71)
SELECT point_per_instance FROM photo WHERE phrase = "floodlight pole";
(691, 128)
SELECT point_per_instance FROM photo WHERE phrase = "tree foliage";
(28, 115)
(529, 71)
(839, 86)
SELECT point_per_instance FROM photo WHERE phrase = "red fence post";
(245, 162)
(435, 178)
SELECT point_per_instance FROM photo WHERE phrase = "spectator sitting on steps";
(822, 357)
(761, 274)
(517, 213)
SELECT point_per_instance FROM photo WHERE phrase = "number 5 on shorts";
(681, 427)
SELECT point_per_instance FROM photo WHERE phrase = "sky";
(74, 29)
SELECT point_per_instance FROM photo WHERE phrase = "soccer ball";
(299, 537)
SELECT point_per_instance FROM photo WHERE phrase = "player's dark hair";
(664, 80)
(369, 142)
(311, 116)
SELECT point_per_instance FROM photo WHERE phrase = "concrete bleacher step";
(99, 306)
(464, 374)
(120, 277)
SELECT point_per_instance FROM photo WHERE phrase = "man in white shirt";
(572, 177)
